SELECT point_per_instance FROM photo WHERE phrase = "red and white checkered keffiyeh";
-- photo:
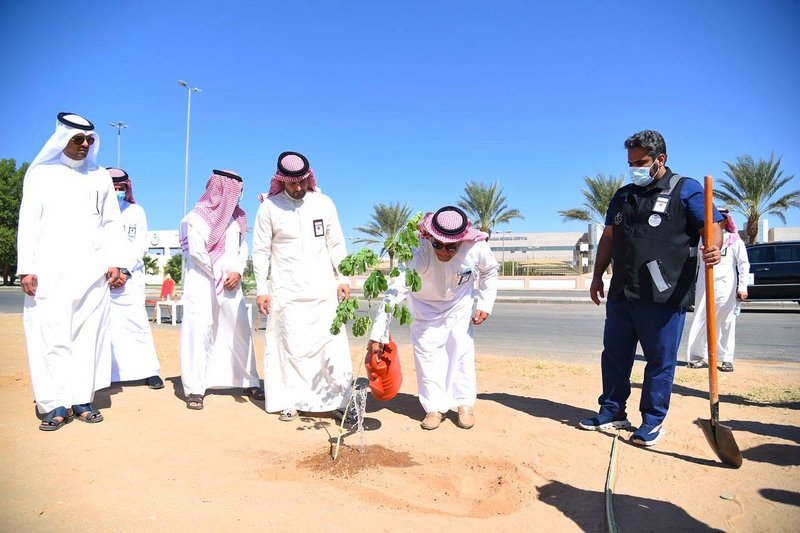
(218, 204)
(291, 162)
(120, 176)
(728, 224)
(449, 224)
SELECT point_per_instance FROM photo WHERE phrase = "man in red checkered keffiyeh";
(216, 343)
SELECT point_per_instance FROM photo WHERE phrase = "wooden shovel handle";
(711, 315)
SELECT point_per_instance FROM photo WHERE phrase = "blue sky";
(406, 101)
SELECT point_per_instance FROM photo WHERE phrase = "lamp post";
(189, 91)
(120, 126)
(503, 253)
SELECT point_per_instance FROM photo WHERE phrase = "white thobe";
(441, 331)
(133, 354)
(299, 244)
(68, 236)
(730, 277)
(216, 342)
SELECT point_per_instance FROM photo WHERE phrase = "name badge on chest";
(319, 228)
(662, 202)
(132, 231)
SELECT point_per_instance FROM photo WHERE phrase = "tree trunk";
(752, 230)
(391, 259)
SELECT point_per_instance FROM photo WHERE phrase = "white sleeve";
(395, 294)
(262, 248)
(197, 248)
(487, 278)
(30, 225)
(742, 266)
(241, 260)
(116, 255)
(334, 239)
(139, 246)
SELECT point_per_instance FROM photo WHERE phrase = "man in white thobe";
(68, 255)
(297, 247)
(451, 257)
(730, 289)
(216, 342)
(133, 354)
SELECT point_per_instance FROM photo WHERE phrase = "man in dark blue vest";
(652, 234)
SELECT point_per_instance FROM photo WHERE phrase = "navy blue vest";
(655, 247)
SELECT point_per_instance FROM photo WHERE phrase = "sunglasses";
(452, 247)
(80, 139)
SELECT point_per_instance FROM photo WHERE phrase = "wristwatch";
(125, 271)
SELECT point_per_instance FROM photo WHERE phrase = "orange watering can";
(384, 373)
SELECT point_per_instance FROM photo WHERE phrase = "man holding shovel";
(652, 234)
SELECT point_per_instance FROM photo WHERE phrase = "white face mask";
(641, 175)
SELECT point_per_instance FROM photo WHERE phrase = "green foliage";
(487, 205)
(150, 265)
(11, 179)
(597, 195)
(174, 267)
(249, 271)
(387, 222)
(401, 245)
(751, 188)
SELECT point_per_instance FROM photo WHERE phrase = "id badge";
(319, 228)
(464, 277)
(132, 231)
(662, 202)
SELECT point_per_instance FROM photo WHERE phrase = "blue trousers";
(658, 328)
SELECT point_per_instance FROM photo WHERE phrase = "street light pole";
(120, 126)
(189, 91)
(503, 253)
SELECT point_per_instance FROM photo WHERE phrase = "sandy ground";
(154, 465)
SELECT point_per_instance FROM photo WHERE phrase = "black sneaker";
(154, 382)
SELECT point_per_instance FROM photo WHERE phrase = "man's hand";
(374, 348)
(596, 290)
(29, 282)
(479, 317)
(232, 281)
(343, 291)
(123, 279)
(711, 254)
(742, 295)
(264, 304)
(112, 275)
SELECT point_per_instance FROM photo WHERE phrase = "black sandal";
(93, 417)
(256, 393)
(49, 423)
(194, 402)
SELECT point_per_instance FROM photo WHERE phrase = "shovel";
(719, 437)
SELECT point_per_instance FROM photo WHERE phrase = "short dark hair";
(650, 140)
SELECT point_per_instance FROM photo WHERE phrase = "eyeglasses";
(80, 139)
(452, 247)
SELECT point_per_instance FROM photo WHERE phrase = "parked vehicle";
(774, 271)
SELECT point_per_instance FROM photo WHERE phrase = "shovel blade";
(721, 440)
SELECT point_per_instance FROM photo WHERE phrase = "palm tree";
(487, 205)
(751, 188)
(387, 221)
(597, 195)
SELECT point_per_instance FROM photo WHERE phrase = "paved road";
(569, 332)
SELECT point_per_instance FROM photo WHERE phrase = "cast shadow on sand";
(570, 416)
(781, 496)
(238, 394)
(587, 509)
(402, 404)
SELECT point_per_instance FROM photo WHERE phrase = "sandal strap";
(58, 411)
